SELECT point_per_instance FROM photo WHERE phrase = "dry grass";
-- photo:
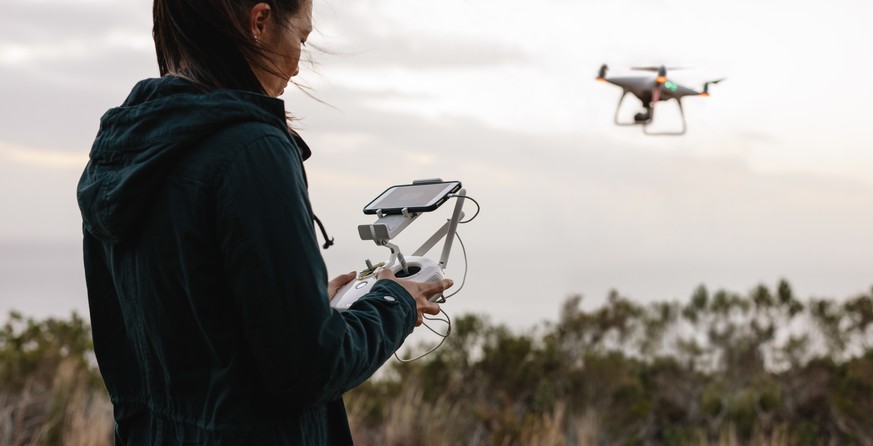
(408, 420)
(66, 410)
(70, 412)
(66, 407)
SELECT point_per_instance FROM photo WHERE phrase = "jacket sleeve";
(305, 351)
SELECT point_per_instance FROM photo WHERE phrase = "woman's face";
(282, 42)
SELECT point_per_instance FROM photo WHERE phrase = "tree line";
(721, 368)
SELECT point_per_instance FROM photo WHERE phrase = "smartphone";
(416, 197)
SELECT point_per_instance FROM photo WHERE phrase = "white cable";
(478, 207)
(442, 336)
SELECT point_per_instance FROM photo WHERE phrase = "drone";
(649, 91)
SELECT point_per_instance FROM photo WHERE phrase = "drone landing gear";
(646, 117)
(677, 133)
(635, 122)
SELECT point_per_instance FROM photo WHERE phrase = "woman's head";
(251, 45)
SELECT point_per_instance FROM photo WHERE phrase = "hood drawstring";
(328, 241)
(305, 153)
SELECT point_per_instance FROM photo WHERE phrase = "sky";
(772, 180)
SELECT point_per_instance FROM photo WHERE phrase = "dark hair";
(208, 41)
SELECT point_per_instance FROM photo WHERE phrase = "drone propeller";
(656, 69)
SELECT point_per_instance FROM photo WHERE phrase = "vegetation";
(720, 369)
(50, 390)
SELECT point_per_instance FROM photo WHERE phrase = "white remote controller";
(421, 269)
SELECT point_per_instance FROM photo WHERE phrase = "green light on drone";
(671, 86)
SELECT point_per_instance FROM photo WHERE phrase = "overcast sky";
(771, 181)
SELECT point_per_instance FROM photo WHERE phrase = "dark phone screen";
(414, 197)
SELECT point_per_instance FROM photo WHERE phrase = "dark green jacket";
(207, 290)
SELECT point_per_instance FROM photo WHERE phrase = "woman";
(208, 295)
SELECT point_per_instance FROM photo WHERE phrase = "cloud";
(500, 95)
(38, 197)
(58, 112)
(48, 159)
(93, 47)
(589, 213)
(38, 24)
(425, 53)
(63, 63)
(362, 39)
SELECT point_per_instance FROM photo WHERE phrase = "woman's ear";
(259, 18)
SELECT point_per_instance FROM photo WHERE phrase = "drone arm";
(706, 86)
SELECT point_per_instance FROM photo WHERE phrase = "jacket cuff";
(386, 288)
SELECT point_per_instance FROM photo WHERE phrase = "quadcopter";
(649, 91)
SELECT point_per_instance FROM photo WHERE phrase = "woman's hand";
(338, 282)
(420, 292)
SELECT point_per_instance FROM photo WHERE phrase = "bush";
(722, 369)
(50, 392)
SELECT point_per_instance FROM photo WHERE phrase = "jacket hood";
(139, 141)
